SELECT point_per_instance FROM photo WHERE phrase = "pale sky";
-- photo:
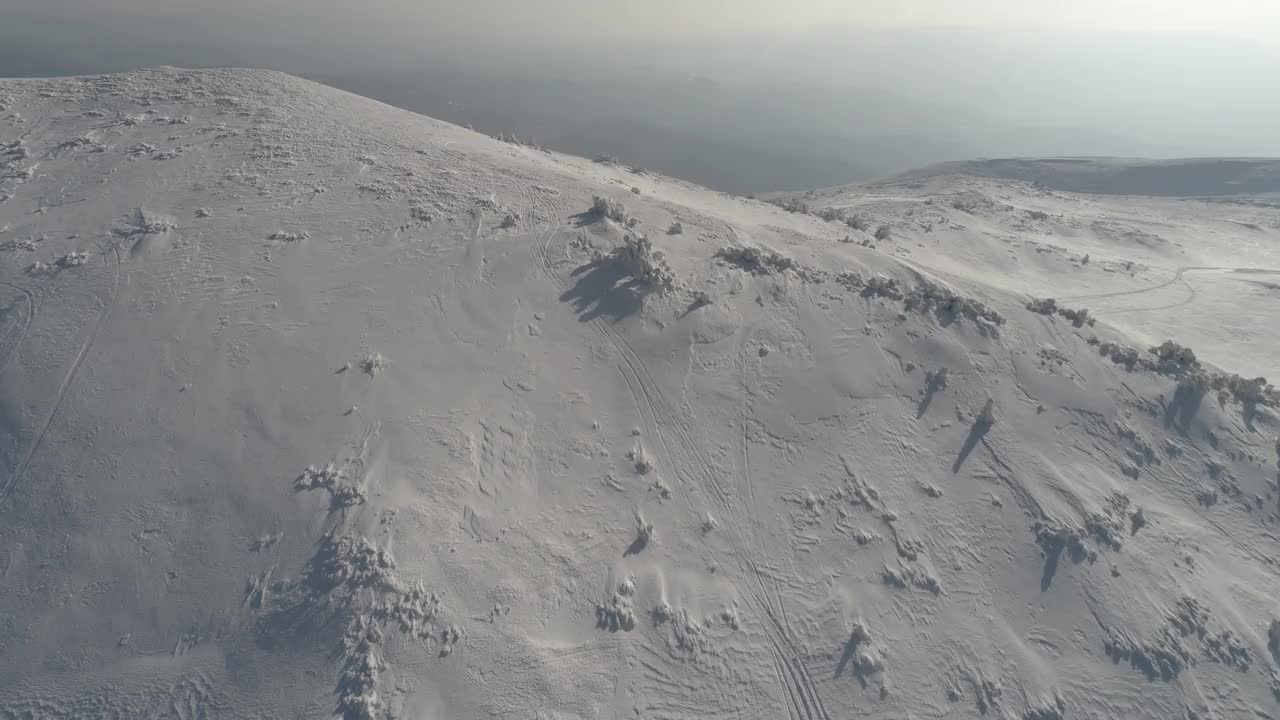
(1196, 77)
(1256, 19)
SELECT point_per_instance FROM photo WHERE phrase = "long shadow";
(604, 289)
(1053, 548)
(636, 547)
(850, 647)
(298, 620)
(586, 217)
(692, 307)
(976, 433)
(1051, 558)
(931, 388)
(304, 615)
(1183, 407)
(925, 400)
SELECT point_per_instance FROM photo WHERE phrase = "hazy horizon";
(853, 91)
(1238, 18)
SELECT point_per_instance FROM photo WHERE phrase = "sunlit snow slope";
(1203, 270)
(313, 407)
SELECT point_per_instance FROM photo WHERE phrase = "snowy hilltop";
(313, 407)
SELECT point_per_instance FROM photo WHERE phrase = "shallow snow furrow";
(16, 476)
(796, 671)
(28, 317)
(1177, 276)
(790, 699)
(663, 416)
(804, 695)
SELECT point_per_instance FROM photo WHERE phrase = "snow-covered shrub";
(644, 264)
(929, 295)
(1248, 390)
(1049, 306)
(645, 533)
(757, 261)
(791, 205)
(373, 363)
(607, 208)
(987, 415)
(319, 477)
(1078, 317)
(881, 286)
(1126, 356)
(1175, 358)
(75, 258)
(357, 691)
(1180, 363)
(1043, 306)
(352, 563)
(617, 613)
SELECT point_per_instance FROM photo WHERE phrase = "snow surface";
(314, 407)
(1204, 271)
(1185, 177)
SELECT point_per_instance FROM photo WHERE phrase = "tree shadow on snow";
(860, 670)
(923, 406)
(944, 316)
(930, 389)
(1250, 413)
(604, 289)
(1050, 568)
(304, 613)
(586, 217)
(1183, 407)
(1052, 546)
(636, 547)
(850, 647)
(976, 434)
(298, 621)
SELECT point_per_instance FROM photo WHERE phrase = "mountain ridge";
(311, 406)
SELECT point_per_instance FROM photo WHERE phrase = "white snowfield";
(1203, 271)
(312, 407)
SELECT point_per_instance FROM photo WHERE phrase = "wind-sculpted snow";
(311, 407)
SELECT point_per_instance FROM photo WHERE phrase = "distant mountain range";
(730, 137)
(1185, 177)
(739, 112)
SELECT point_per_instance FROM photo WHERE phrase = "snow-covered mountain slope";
(1186, 177)
(1203, 271)
(316, 407)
